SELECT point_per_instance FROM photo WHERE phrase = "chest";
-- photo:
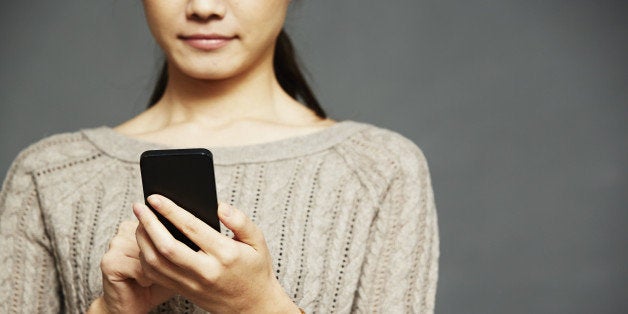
(312, 218)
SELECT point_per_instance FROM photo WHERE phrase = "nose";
(203, 10)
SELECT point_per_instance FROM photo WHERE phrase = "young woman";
(319, 215)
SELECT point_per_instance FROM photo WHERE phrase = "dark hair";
(287, 70)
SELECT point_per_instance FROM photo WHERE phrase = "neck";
(252, 95)
(253, 100)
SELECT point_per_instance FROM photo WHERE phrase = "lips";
(207, 42)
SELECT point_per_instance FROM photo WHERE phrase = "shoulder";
(384, 147)
(379, 156)
(58, 150)
(55, 160)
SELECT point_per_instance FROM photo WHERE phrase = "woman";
(320, 215)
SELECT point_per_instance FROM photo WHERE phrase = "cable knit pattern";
(348, 213)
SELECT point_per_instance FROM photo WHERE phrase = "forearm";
(277, 301)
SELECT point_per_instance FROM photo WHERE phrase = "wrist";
(275, 300)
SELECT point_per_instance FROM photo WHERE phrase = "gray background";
(520, 106)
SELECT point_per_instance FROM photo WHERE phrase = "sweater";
(348, 214)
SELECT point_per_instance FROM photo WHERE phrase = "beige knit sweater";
(348, 214)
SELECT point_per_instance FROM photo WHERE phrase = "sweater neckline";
(129, 149)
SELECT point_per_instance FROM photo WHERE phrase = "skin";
(224, 97)
(125, 287)
(145, 265)
(231, 93)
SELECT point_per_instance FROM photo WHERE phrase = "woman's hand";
(225, 275)
(125, 288)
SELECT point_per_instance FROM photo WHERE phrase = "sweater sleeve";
(400, 270)
(28, 276)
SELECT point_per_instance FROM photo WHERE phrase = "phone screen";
(185, 176)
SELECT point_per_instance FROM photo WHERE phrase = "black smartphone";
(185, 176)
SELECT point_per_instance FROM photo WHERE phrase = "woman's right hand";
(125, 288)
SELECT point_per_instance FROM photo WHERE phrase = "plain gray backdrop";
(521, 108)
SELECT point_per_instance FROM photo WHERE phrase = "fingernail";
(137, 208)
(228, 210)
(154, 200)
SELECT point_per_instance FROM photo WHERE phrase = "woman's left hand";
(225, 275)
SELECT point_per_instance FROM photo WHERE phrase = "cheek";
(261, 15)
(160, 17)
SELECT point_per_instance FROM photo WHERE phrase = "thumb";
(244, 230)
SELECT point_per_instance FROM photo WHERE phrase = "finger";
(127, 227)
(124, 246)
(134, 271)
(116, 267)
(170, 275)
(163, 241)
(140, 275)
(154, 265)
(126, 230)
(244, 229)
(208, 239)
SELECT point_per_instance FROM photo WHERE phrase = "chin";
(210, 75)
(216, 67)
(209, 70)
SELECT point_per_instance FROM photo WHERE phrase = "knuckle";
(115, 243)
(229, 258)
(148, 272)
(108, 276)
(189, 226)
(108, 263)
(208, 279)
(151, 260)
(198, 286)
(104, 263)
(166, 249)
(149, 275)
(143, 281)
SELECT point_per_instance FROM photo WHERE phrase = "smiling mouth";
(206, 42)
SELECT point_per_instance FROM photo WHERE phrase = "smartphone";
(185, 176)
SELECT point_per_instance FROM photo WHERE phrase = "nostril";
(204, 17)
(204, 10)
